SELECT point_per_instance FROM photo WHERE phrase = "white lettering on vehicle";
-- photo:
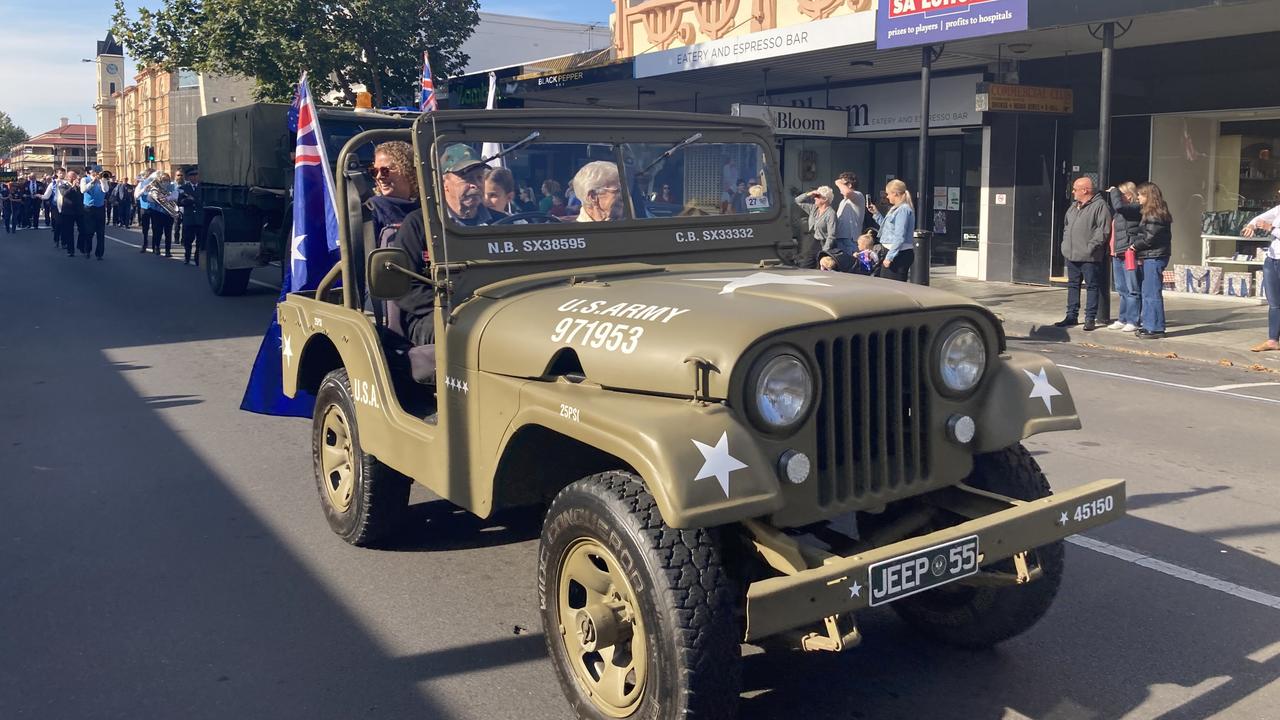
(570, 412)
(738, 233)
(1091, 509)
(595, 334)
(506, 247)
(364, 393)
(630, 311)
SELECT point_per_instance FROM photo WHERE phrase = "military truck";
(729, 450)
(246, 169)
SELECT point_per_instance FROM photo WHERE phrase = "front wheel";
(363, 500)
(982, 616)
(638, 616)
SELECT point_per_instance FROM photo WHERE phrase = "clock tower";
(109, 63)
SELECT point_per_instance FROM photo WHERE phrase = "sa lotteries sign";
(903, 23)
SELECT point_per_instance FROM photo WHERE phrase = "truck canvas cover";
(254, 143)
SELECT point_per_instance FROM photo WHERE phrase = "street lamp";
(84, 136)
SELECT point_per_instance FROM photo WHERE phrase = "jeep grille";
(872, 413)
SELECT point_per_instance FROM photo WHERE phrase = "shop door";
(948, 182)
(1040, 198)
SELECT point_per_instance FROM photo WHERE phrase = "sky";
(42, 77)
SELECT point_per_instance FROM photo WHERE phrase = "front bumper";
(784, 603)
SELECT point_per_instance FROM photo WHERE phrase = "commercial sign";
(903, 23)
(788, 120)
(998, 97)
(896, 106)
(841, 30)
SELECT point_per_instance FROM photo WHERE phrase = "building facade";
(70, 145)
(151, 123)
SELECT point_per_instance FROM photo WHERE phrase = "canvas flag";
(313, 252)
(427, 101)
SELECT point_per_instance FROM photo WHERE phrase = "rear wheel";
(638, 616)
(222, 281)
(981, 616)
(363, 500)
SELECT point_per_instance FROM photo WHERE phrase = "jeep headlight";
(783, 392)
(962, 358)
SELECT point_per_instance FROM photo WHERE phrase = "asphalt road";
(163, 553)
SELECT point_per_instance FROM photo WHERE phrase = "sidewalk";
(1199, 328)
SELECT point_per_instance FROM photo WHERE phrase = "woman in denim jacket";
(897, 229)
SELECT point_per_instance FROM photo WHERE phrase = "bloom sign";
(903, 23)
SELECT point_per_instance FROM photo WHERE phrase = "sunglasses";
(378, 172)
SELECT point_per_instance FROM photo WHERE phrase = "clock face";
(112, 68)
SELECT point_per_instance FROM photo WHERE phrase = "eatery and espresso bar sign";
(904, 23)
(998, 97)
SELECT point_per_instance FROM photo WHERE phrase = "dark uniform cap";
(459, 158)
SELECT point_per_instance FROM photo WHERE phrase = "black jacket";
(72, 201)
(1155, 238)
(1127, 217)
(417, 306)
(192, 205)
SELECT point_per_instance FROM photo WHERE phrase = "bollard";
(919, 273)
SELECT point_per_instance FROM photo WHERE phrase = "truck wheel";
(222, 281)
(979, 617)
(638, 616)
(363, 500)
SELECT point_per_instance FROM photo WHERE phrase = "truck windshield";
(603, 182)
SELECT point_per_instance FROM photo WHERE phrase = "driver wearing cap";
(462, 175)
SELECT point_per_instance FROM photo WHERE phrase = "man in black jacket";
(192, 215)
(71, 212)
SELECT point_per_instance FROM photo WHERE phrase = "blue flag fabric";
(313, 252)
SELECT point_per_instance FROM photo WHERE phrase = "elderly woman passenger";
(599, 188)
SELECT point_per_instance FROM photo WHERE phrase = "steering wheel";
(536, 217)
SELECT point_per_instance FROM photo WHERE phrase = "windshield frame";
(433, 134)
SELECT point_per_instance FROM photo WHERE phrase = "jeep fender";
(656, 437)
(1026, 394)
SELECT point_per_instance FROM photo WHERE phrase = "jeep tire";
(363, 500)
(638, 617)
(982, 616)
(222, 281)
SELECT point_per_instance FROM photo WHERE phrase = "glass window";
(585, 182)
(187, 78)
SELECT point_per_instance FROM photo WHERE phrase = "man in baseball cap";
(463, 176)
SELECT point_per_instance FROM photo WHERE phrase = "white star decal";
(456, 384)
(717, 462)
(1062, 519)
(287, 352)
(1041, 388)
(764, 278)
(855, 590)
(295, 252)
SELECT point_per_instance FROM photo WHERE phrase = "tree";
(378, 43)
(10, 133)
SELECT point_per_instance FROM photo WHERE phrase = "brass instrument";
(161, 198)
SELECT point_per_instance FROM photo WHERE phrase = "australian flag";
(313, 252)
(427, 100)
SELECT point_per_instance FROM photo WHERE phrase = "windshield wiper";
(682, 144)
(527, 139)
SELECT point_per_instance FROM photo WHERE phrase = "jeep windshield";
(625, 183)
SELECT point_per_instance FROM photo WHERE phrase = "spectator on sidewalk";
(1153, 245)
(1125, 221)
(1266, 223)
(1084, 241)
(850, 211)
(821, 237)
(897, 231)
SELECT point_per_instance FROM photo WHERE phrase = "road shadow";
(440, 526)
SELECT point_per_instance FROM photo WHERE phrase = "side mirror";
(388, 272)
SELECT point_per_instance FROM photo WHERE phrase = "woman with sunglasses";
(397, 187)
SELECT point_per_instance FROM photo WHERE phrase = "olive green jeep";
(729, 449)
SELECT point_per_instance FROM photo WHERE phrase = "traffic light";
(150, 153)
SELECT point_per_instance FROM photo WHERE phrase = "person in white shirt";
(851, 210)
(1266, 223)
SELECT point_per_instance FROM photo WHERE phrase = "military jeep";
(728, 449)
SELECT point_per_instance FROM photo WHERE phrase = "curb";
(1168, 348)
